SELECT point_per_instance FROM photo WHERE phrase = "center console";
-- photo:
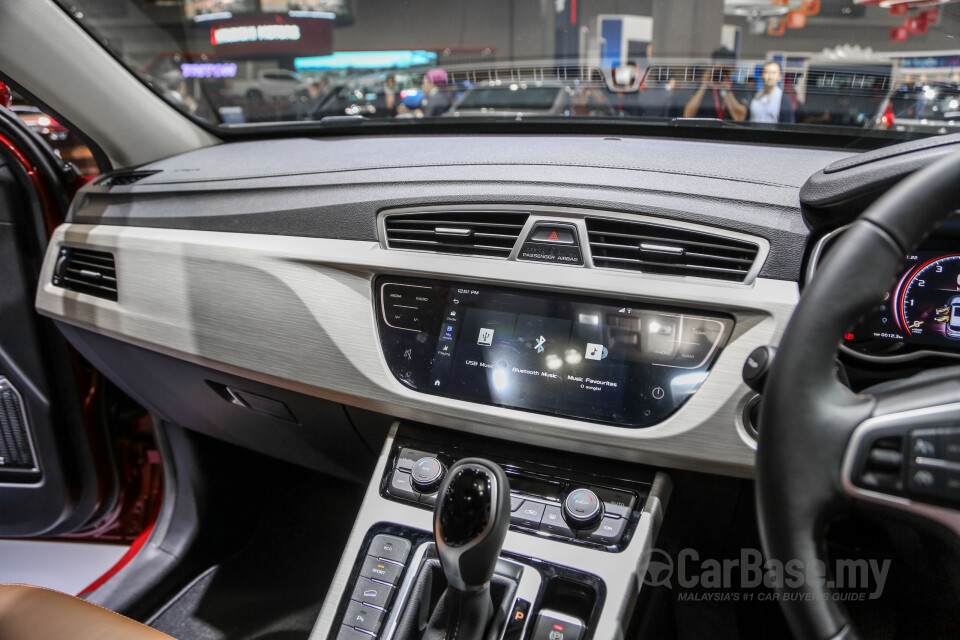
(571, 561)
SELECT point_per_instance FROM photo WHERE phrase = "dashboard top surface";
(335, 187)
(306, 156)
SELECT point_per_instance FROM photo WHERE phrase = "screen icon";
(486, 337)
(595, 351)
(539, 346)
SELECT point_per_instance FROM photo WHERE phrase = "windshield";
(889, 65)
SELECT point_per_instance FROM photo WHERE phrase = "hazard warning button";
(553, 234)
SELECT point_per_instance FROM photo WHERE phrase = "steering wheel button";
(925, 443)
(925, 482)
(950, 442)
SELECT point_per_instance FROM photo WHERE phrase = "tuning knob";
(582, 509)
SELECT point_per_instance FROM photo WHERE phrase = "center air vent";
(654, 248)
(86, 271)
(475, 233)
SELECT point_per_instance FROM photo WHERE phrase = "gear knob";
(470, 522)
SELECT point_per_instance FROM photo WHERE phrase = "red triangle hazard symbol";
(553, 236)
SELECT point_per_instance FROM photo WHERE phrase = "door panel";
(62, 490)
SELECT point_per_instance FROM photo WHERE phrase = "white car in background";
(268, 85)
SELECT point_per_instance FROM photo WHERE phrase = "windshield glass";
(889, 65)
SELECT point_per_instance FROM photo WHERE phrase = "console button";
(402, 487)
(618, 503)
(609, 532)
(515, 503)
(553, 234)
(390, 548)
(349, 633)
(582, 508)
(517, 620)
(528, 515)
(556, 626)
(408, 457)
(369, 592)
(382, 570)
(554, 523)
(363, 617)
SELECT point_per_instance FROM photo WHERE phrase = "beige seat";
(34, 613)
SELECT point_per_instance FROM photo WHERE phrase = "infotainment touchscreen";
(613, 362)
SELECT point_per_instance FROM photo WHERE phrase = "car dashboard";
(283, 266)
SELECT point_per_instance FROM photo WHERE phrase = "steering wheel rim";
(808, 416)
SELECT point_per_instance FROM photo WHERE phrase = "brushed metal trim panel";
(299, 313)
(621, 572)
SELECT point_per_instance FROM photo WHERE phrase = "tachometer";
(928, 299)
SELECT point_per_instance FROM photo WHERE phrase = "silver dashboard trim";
(577, 217)
(914, 417)
(299, 313)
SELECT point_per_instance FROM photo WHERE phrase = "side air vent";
(86, 271)
(480, 233)
(654, 248)
(123, 178)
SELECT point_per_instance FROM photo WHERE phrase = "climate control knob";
(426, 474)
(582, 509)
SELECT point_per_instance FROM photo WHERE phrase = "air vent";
(654, 248)
(480, 233)
(86, 271)
(123, 178)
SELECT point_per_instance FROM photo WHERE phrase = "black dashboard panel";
(334, 187)
(603, 361)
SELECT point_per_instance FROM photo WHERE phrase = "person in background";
(435, 102)
(391, 97)
(770, 104)
(314, 97)
(716, 97)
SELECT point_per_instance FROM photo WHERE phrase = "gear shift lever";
(470, 522)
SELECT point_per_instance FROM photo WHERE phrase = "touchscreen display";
(602, 361)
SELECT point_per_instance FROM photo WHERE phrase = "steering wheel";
(825, 449)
